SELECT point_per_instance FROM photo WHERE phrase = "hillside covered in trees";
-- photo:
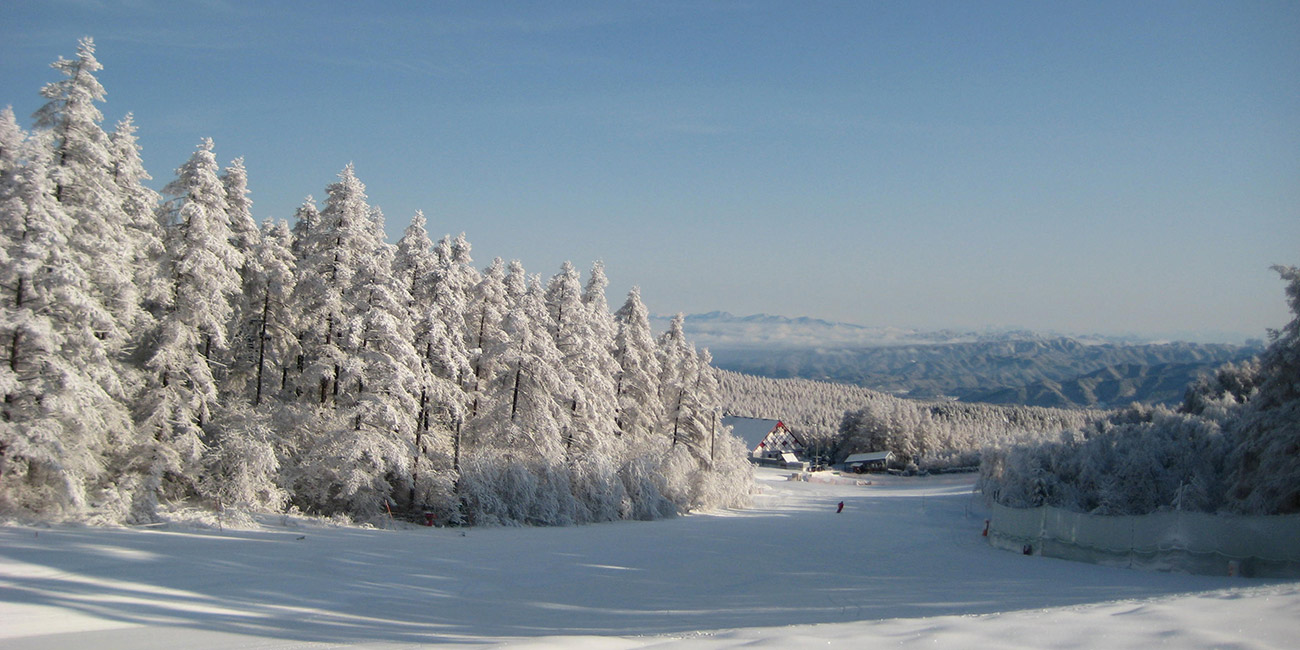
(1232, 446)
(1016, 368)
(167, 350)
(838, 420)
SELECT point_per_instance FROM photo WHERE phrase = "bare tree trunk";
(618, 408)
(13, 350)
(455, 451)
(19, 298)
(478, 363)
(261, 346)
(421, 421)
(677, 416)
(514, 399)
(324, 381)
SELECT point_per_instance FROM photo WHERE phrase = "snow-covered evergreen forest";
(1232, 446)
(166, 350)
(840, 419)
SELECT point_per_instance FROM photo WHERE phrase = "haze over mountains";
(1012, 367)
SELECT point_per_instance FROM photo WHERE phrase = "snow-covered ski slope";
(903, 566)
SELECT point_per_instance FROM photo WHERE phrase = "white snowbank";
(903, 565)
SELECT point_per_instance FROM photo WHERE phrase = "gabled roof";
(803, 442)
(751, 430)
(754, 430)
(869, 457)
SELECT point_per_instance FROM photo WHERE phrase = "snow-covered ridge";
(721, 330)
(1003, 367)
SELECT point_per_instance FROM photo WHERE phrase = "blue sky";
(1105, 167)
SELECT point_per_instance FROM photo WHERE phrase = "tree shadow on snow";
(878, 559)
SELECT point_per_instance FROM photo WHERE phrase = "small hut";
(874, 461)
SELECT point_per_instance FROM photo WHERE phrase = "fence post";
(1042, 527)
(1132, 539)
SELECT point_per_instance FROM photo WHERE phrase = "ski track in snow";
(904, 565)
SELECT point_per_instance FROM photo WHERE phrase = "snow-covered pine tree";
(414, 261)
(700, 422)
(1280, 363)
(462, 275)
(517, 471)
(264, 340)
(640, 409)
(13, 154)
(727, 477)
(99, 310)
(678, 375)
(516, 283)
(564, 306)
(600, 471)
(1265, 474)
(391, 374)
(81, 171)
(244, 237)
(182, 391)
(242, 470)
(589, 432)
(604, 328)
(328, 256)
(542, 395)
(450, 356)
(449, 401)
(602, 331)
(305, 219)
(453, 280)
(11, 143)
(244, 326)
(443, 360)
(140, 206)
(640, 413)
(413, 266)
(694, 475)
(442, 415)
(586, 356)
(708, 411)
(327, 246)
(359, 382)
(243, 228)
(487, 308)
(57, 420)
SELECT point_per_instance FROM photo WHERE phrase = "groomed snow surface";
(903, 566)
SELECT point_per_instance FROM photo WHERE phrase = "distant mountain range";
(1014, 367)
